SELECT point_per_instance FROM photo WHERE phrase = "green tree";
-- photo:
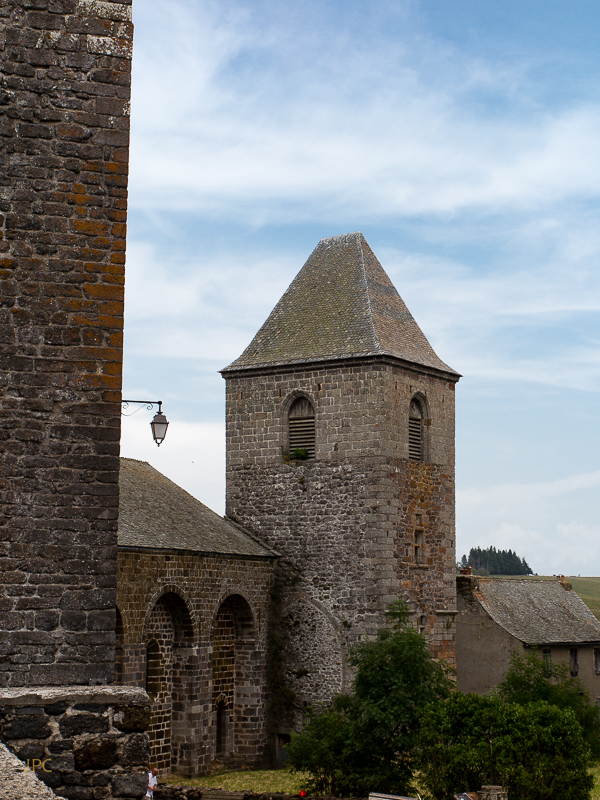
(367, 740)
(535, 751)
(530, 678)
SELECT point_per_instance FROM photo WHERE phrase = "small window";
(222, 728)
(574, 662)
(597, 660)
(283, 739)
(301, 420)
(547, 655)
(415, 431)
(418, 546)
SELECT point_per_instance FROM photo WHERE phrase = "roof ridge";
(368, 293)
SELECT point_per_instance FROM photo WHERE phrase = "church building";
(340, 497)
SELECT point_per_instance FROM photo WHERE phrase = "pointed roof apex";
(340, 305)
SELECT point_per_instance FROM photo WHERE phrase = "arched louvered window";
(301, 420)
(415, 431)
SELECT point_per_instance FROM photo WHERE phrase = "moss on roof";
(340, 305)
(158, 514)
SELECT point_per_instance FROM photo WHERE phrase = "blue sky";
(463, 140)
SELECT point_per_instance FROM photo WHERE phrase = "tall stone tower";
(64, 140)
(340, 455)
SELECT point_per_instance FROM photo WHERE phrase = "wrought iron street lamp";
(159, 424)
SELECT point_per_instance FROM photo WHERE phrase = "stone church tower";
(340, 456)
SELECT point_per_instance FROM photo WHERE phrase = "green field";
(589, 591)
(264, 781)
(587, 588)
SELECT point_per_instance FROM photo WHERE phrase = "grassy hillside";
(587, 588)
(589, 591)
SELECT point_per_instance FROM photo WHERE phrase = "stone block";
(34, 727)
(131, 718)
(76, 724)
(96, 754)
(129, 785)
(136, 751)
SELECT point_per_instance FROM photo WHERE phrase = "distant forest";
(496, 562)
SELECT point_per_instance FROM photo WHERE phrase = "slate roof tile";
(156, 513)
(341, 304)
(538, 612)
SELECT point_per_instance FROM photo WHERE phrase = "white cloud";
(200, 308)
(289, 123)
(552, 524)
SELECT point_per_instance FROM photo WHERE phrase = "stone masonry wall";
(345, 523)
(64, 135)
(227, 599)
(86, 743)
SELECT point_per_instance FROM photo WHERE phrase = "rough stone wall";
(160, 629)
(64, 133)
(83, 742)
(223, 660)
(227, 598)
(345, 523)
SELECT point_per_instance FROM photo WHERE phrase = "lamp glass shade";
(159, 427)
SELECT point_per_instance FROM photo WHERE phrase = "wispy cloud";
(291, 123)
(473, 177)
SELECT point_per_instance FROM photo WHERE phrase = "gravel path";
(19, 783)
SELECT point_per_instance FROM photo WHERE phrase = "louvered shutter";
(415, 439)
(302, 427)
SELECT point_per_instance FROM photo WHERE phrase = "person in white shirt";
(152, 782)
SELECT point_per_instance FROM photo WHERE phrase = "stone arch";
(236, 679)
(313, 653)
(232, 590)
(192, 627)
(169, 641)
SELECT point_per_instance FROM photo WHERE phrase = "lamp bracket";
(147, 404)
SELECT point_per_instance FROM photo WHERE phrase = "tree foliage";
(368, 738)
(535, 751)
(496, 562)
(530, 678)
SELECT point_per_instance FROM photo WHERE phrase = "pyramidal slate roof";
(341, 304)
(158, 514)
(538, 612)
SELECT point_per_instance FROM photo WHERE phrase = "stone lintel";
(25, 696)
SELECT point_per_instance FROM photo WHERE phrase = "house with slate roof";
(497, 617)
